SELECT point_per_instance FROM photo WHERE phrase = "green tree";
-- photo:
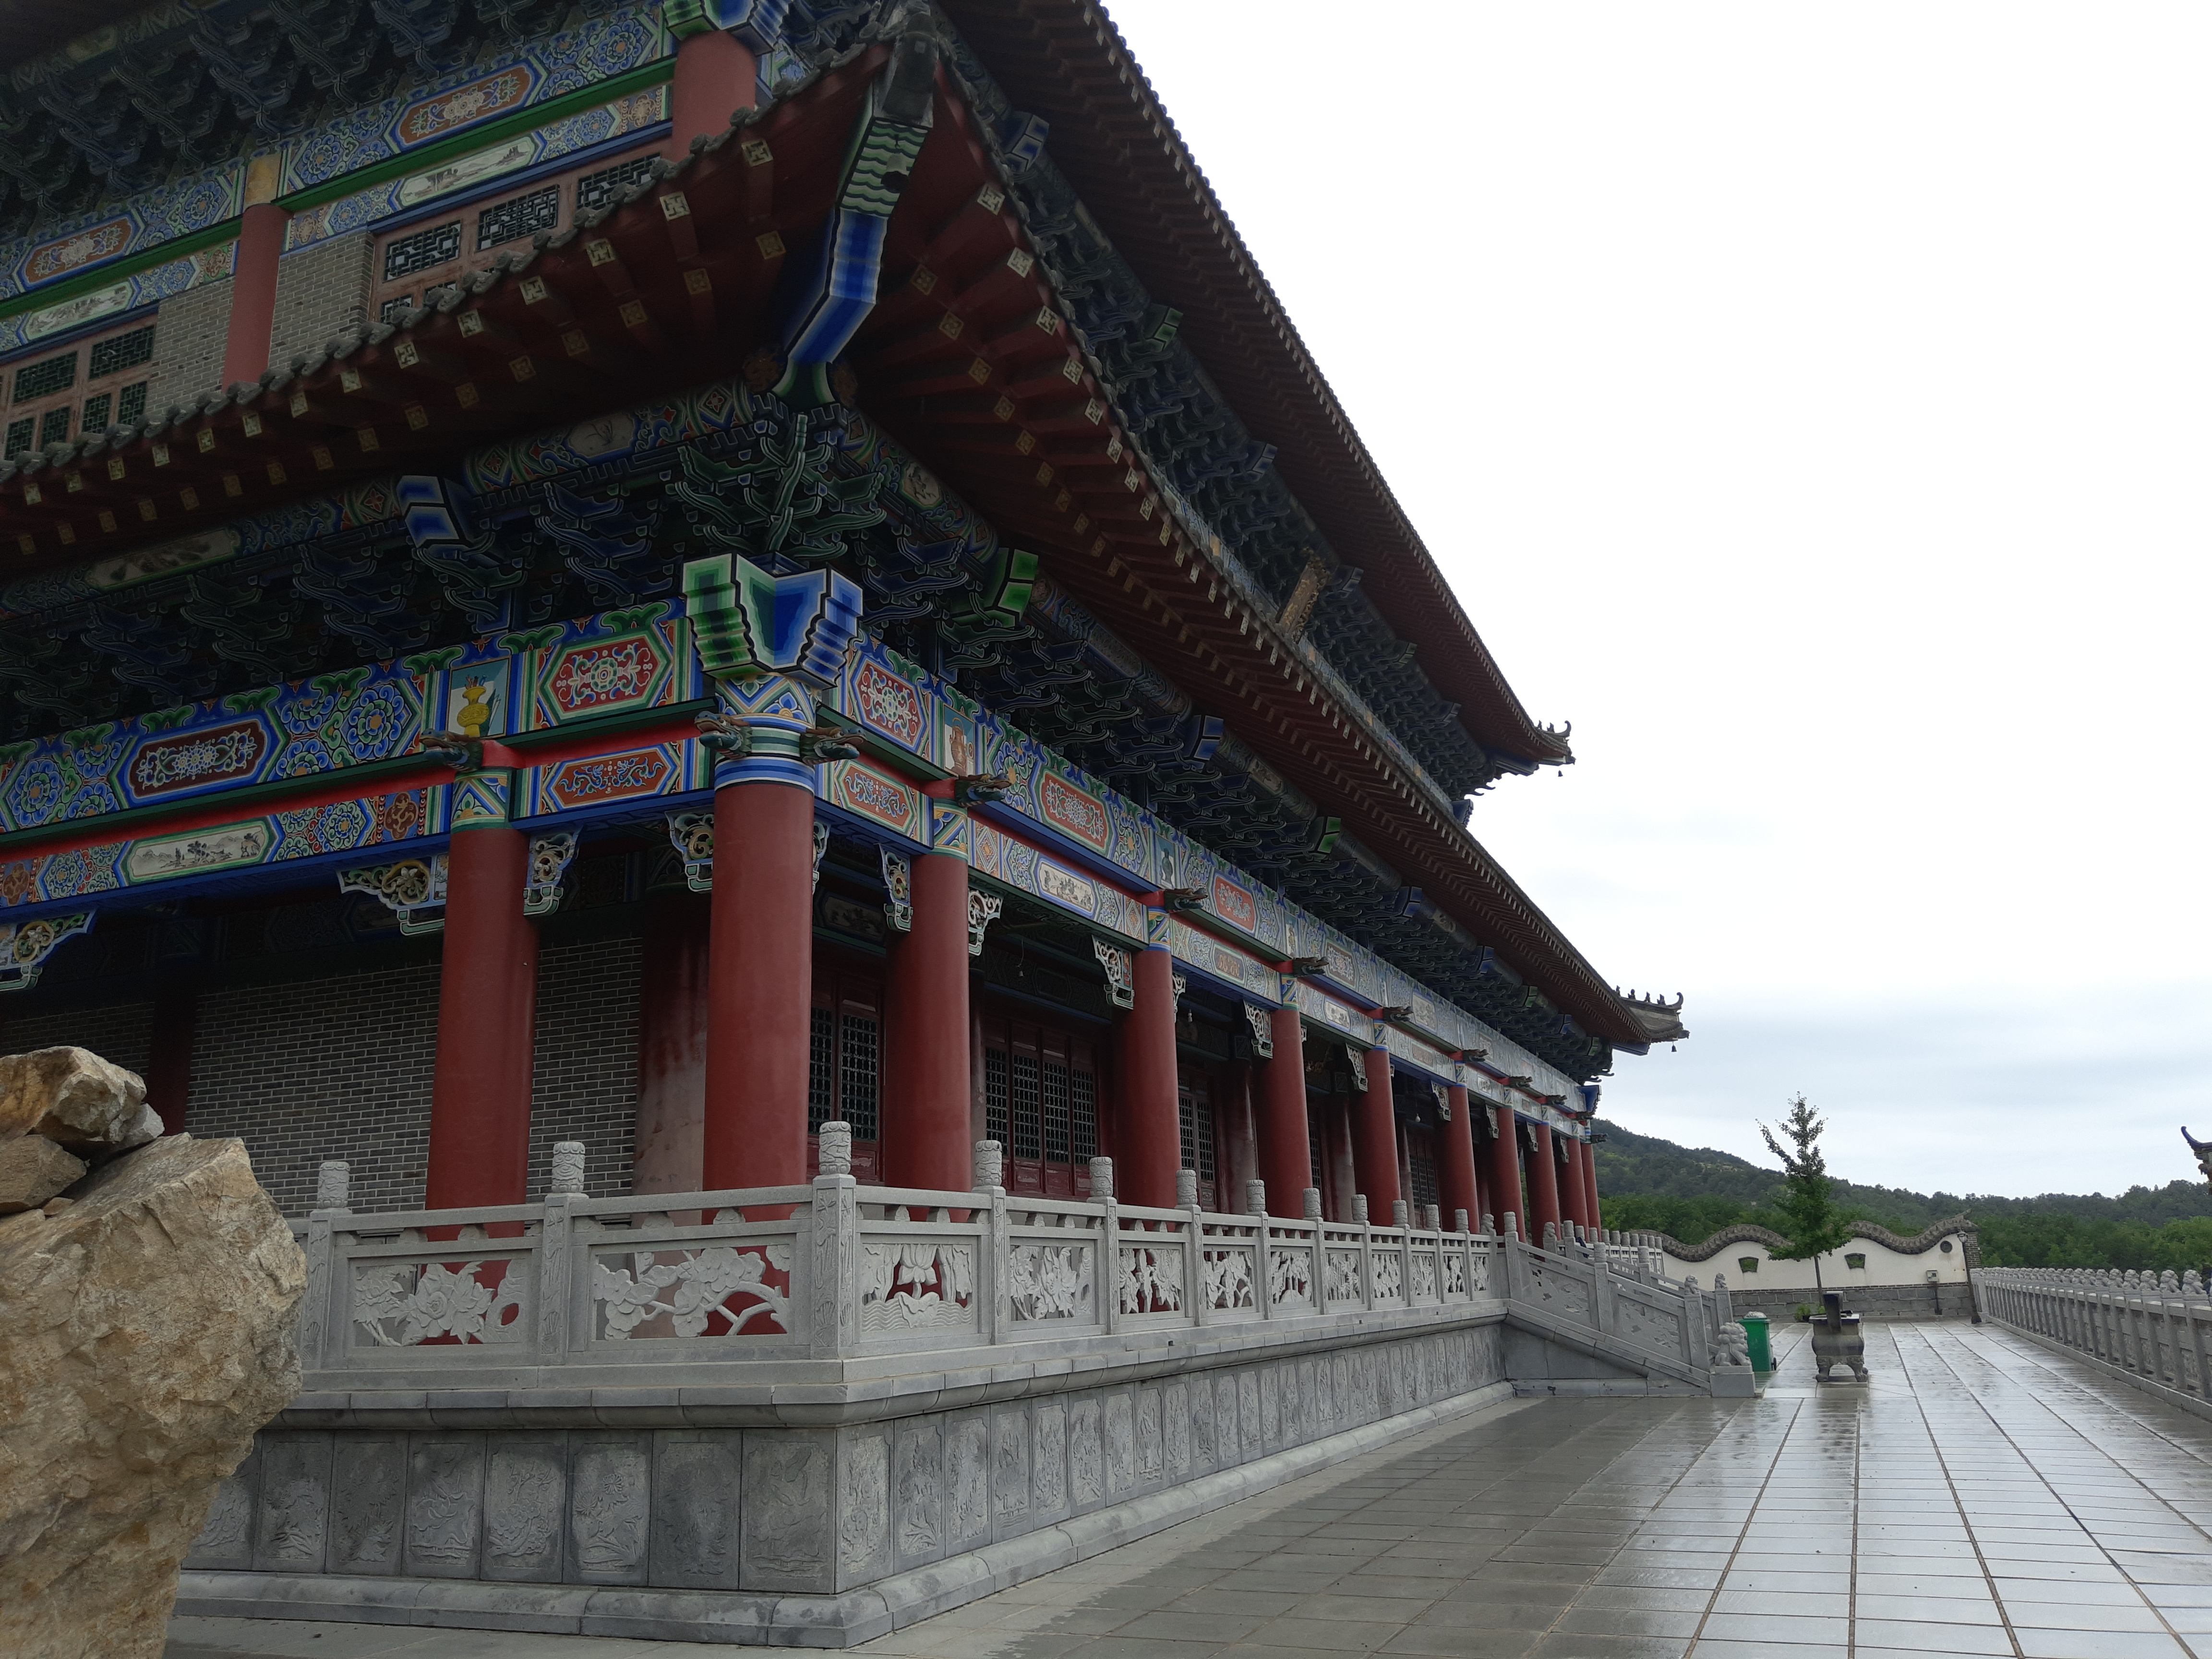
(1812, 1221)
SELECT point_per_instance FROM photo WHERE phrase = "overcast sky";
(1811, 405)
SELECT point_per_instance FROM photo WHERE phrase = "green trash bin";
(1754, 1332)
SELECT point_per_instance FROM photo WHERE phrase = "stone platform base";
(787, 1621)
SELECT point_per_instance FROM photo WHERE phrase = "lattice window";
(20, 435)
(1195, 1111)
(518, 216)
(1313, 1150)
(1083, 1113)
(859, 1072)
(53, 427)
(43, 378)
(97, 409)
(1026, 1142)
(426, 250)
(1421, 1162)
(822, 1071)
(996, 1094)
(121, 351)
(1055, 1111)
(130, 403)
(598, 190)
(390, 310)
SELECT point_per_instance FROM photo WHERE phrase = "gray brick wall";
(583, 1084)
(336, 1068)
(188, 344)
(320, 290)
(123, 1034)
(341, 1067)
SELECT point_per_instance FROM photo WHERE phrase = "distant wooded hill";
(1703, 1190)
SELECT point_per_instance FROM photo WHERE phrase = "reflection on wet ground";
(1980, 1496)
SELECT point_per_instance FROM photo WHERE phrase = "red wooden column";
(1543, 1185)
(760, 977)
(1375, 1139)
(1505, 1158)
(927, 1099)
(1455, 1183)
(1286, 1148)
(715, 78)
(1573, 1194)
(1591, 1206)
(169, 1065)
(1150, 1148)
(254, 294)
(487, 1018)
(672, 1044)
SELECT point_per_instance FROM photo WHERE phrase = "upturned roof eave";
(1065, 61)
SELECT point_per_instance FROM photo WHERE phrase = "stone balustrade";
(602, 1289)
(2155, 1328)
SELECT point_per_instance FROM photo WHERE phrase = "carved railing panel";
(715, 1291)
(406, 1304)
(1051, 1282)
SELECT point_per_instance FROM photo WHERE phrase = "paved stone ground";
(1983, 1496)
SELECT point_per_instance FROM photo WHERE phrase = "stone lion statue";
(1731, 1347)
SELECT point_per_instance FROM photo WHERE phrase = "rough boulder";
(146, 1332)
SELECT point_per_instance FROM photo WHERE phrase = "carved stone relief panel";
(1248, 1419)
(1010, 1471)
(1048, 1450)
(1205, 1450)
(610, 1507)
(227, 1540)
(698, 1492)
(1174, 1426)
(292, 1520)
(525, 1499)
(1086, 1454)
(789, 1494)
(1293, 1402)
(1271, 1407)
(1120, 1444)
(1313, 1421)
(918, 1495)
(369, 1492)
(967, 1479)
(1340, 1389)
(1151, 1445)
(445, 1505)
(1228, 1436)
(863, 1504)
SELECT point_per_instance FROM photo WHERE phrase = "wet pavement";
(1981, 1495)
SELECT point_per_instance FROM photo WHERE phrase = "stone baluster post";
(835, 1224)
(987, 1178)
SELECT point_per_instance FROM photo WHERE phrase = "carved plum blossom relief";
(720, 1291)
(401, 1305)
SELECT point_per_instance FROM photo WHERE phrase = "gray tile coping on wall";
(1982, 1495)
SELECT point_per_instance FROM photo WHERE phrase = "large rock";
(32, 1170)
(145, 1334)
(76, 1100)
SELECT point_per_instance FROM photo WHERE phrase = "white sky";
(1811, 405)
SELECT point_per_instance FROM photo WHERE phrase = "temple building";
(650, 576)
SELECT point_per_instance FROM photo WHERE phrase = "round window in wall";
(1945, 1247)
